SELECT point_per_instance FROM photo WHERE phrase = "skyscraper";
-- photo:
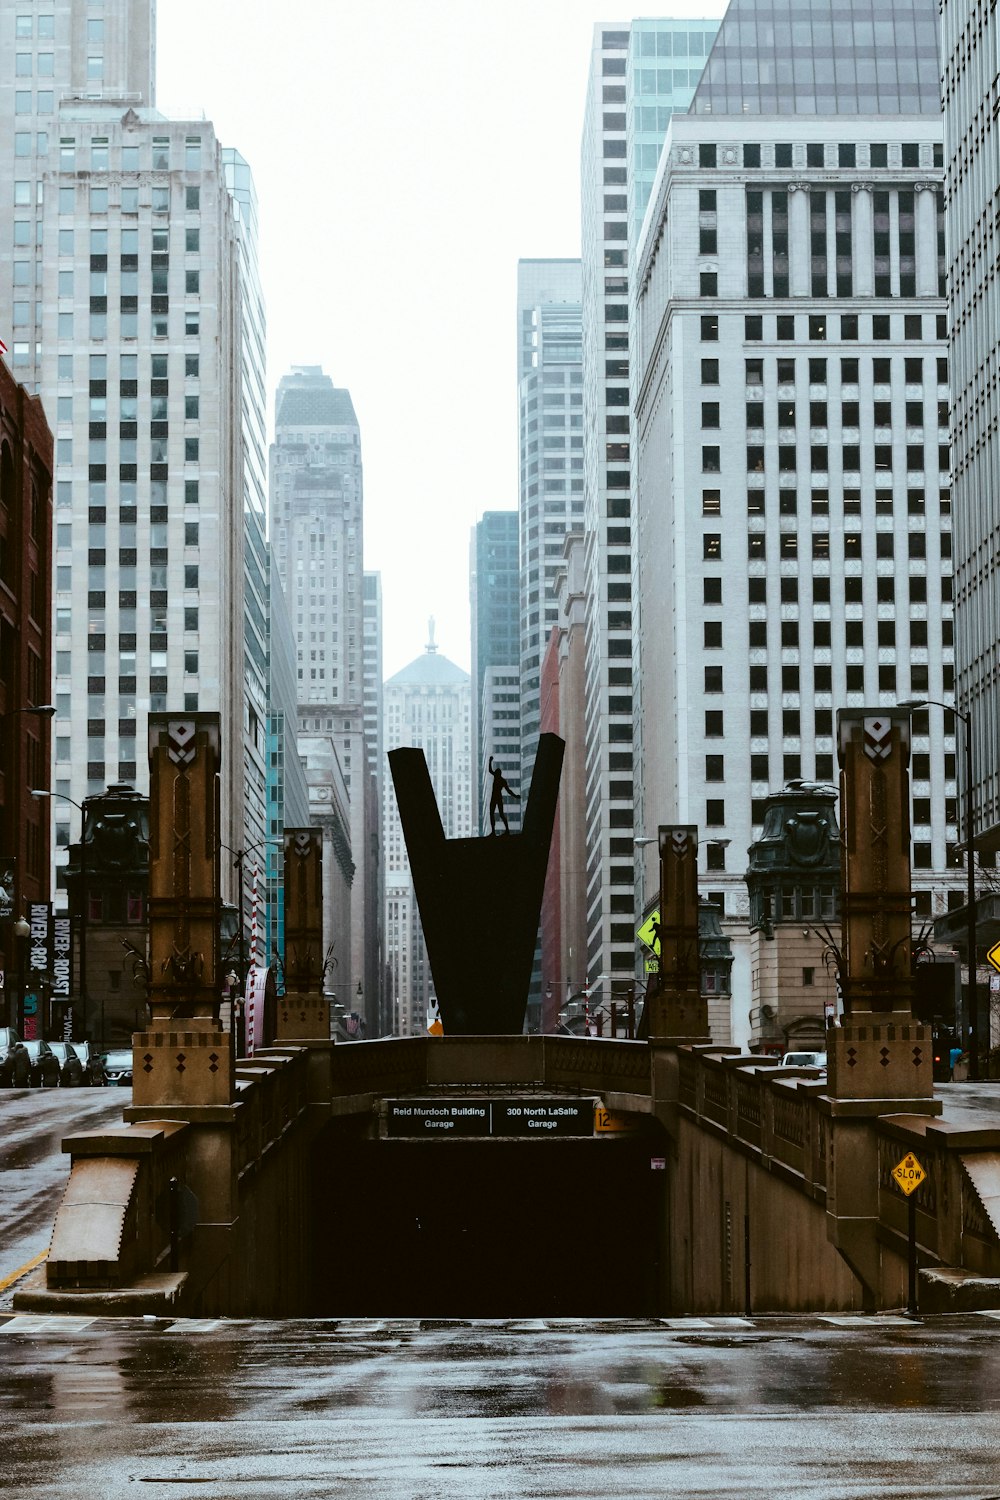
(427, 704)
(970, 49)
(791, 503)
(638, 76)
(550, 453)
(494, 582)
(125, 273)
(287, 791)
(256, 558)
(317, 533)
(374, 978)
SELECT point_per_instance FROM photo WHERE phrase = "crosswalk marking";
(867, 1320)
(45, 1323)
(68, 1325)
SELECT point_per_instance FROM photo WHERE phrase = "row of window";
(916, 460)
(852, 627)
(823, 155)
(788, 414)
(817, 370)
(817, 327)
(851, 542)
(762, 722)
(763, 679)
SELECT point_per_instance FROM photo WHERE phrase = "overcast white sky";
(405, 156)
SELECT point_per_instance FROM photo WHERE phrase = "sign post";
(908, 1175)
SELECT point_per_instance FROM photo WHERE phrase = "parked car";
(93, 1064)
(804, 1060)
(45, 1067)
(15, 1064)
(118, 1066)
(71, 1074)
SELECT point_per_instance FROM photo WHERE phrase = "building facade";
(970, 53)
(564, 916)
(494, 603)
(253, 455)
(125, 275)
(639, 76)
(791, 498)
(550, 458)
(428, 704)
(317, 529)
(287, 790)
(374, 979)
(25, 656)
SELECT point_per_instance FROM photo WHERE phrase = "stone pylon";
(303, 1010)
(880, 1051)
(879, 1060)
(184, 1058)
(678, 1012)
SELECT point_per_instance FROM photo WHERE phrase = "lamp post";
(970, 874)
(239, 857)
(62, 796)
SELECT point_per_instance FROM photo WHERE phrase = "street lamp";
(911, 705)
(37, 791)
(239, 856)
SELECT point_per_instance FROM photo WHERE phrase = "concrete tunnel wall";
(793, 1266)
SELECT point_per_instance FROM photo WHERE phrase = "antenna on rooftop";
(431, 643)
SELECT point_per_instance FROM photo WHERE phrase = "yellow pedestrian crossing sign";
(993, 956)
(649, 933)
(909, 1174)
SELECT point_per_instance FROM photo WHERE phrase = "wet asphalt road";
(33, 1167)
(834, 1408)
(824, 1409)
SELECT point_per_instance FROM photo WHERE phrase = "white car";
(804, 1060)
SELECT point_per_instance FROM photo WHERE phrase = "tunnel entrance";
(487, 1229)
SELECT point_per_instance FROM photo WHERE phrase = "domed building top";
(429, 670)
(794, 867)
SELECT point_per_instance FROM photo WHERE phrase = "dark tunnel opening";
(486, 1229)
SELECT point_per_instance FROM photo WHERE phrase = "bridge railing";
(770, 1112)
(404, 1065)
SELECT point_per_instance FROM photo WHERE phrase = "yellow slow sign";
(909, 1174)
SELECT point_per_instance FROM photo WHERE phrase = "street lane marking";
(193, 1325)
(870, 1320)
(16, 1275)
(45, 1323)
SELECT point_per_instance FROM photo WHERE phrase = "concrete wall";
(743, 1140)
(793, 1266)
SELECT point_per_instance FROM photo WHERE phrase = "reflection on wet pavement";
(403, 1408)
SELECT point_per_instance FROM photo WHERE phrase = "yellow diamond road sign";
(993, 956)
(648, 933)
(909, 1174)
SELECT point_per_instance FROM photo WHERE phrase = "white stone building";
(125, 269)
(971, 68)
(427, 704)
(317, 529)
(639, 75)
(791, 503)
(550, 459)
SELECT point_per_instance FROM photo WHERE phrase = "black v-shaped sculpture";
(479, 899)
